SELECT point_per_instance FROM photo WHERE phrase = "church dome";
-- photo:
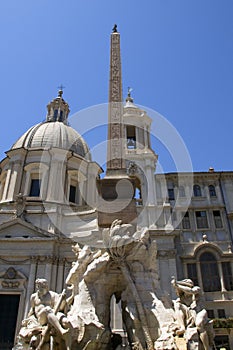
(54, 132)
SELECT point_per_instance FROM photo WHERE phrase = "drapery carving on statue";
(82, 309)
(148, 321)
(123, 247)
(190, 313)
(127, 249)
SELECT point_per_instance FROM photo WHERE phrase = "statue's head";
(42, 285)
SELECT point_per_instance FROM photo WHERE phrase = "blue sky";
(177, 55)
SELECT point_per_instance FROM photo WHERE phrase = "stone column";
(223, 288)
(57, 176)
(146, 144)
(53, 282)
(7, 183)
(151, 194)
(60, 275)
(15, 179)
(40, 267)
(199, 277)
(31, 284)
(27, 184)
(48, 269)
(91, 190)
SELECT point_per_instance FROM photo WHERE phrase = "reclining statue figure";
(190, 312)
(45, 314)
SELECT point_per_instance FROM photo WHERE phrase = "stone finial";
(204, 238)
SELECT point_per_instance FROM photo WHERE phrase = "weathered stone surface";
(123, 268)
(192, 319)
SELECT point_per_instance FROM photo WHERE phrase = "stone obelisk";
(116, 188)
(116, 157)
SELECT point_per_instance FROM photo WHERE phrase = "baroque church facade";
(52, 195)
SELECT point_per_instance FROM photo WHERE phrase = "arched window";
(197, 191)
(209, 272)
(212, 191)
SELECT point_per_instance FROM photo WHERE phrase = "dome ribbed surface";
(53, 134)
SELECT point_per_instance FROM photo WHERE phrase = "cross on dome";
(60, 91)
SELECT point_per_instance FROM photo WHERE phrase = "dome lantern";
(54, 131)
(58, 109)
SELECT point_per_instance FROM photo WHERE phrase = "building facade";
(50, 197)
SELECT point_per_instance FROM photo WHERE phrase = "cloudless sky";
(177, 55)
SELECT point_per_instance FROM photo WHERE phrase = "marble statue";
(125, 268)
(45, 318)
(190, 312)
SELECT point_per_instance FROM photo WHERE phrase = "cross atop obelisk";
(115, 161)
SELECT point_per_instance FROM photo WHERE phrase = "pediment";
(18, 228)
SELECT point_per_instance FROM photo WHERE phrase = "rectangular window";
(55, 113)
(186, 222)
(60, 117)
(201, 219)
(227, 275)
(192, 273)
(217, 218)
(210, 314)
(35, 188)
(131, 136)
(221, 313)
(72, 195)
(171, 194)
